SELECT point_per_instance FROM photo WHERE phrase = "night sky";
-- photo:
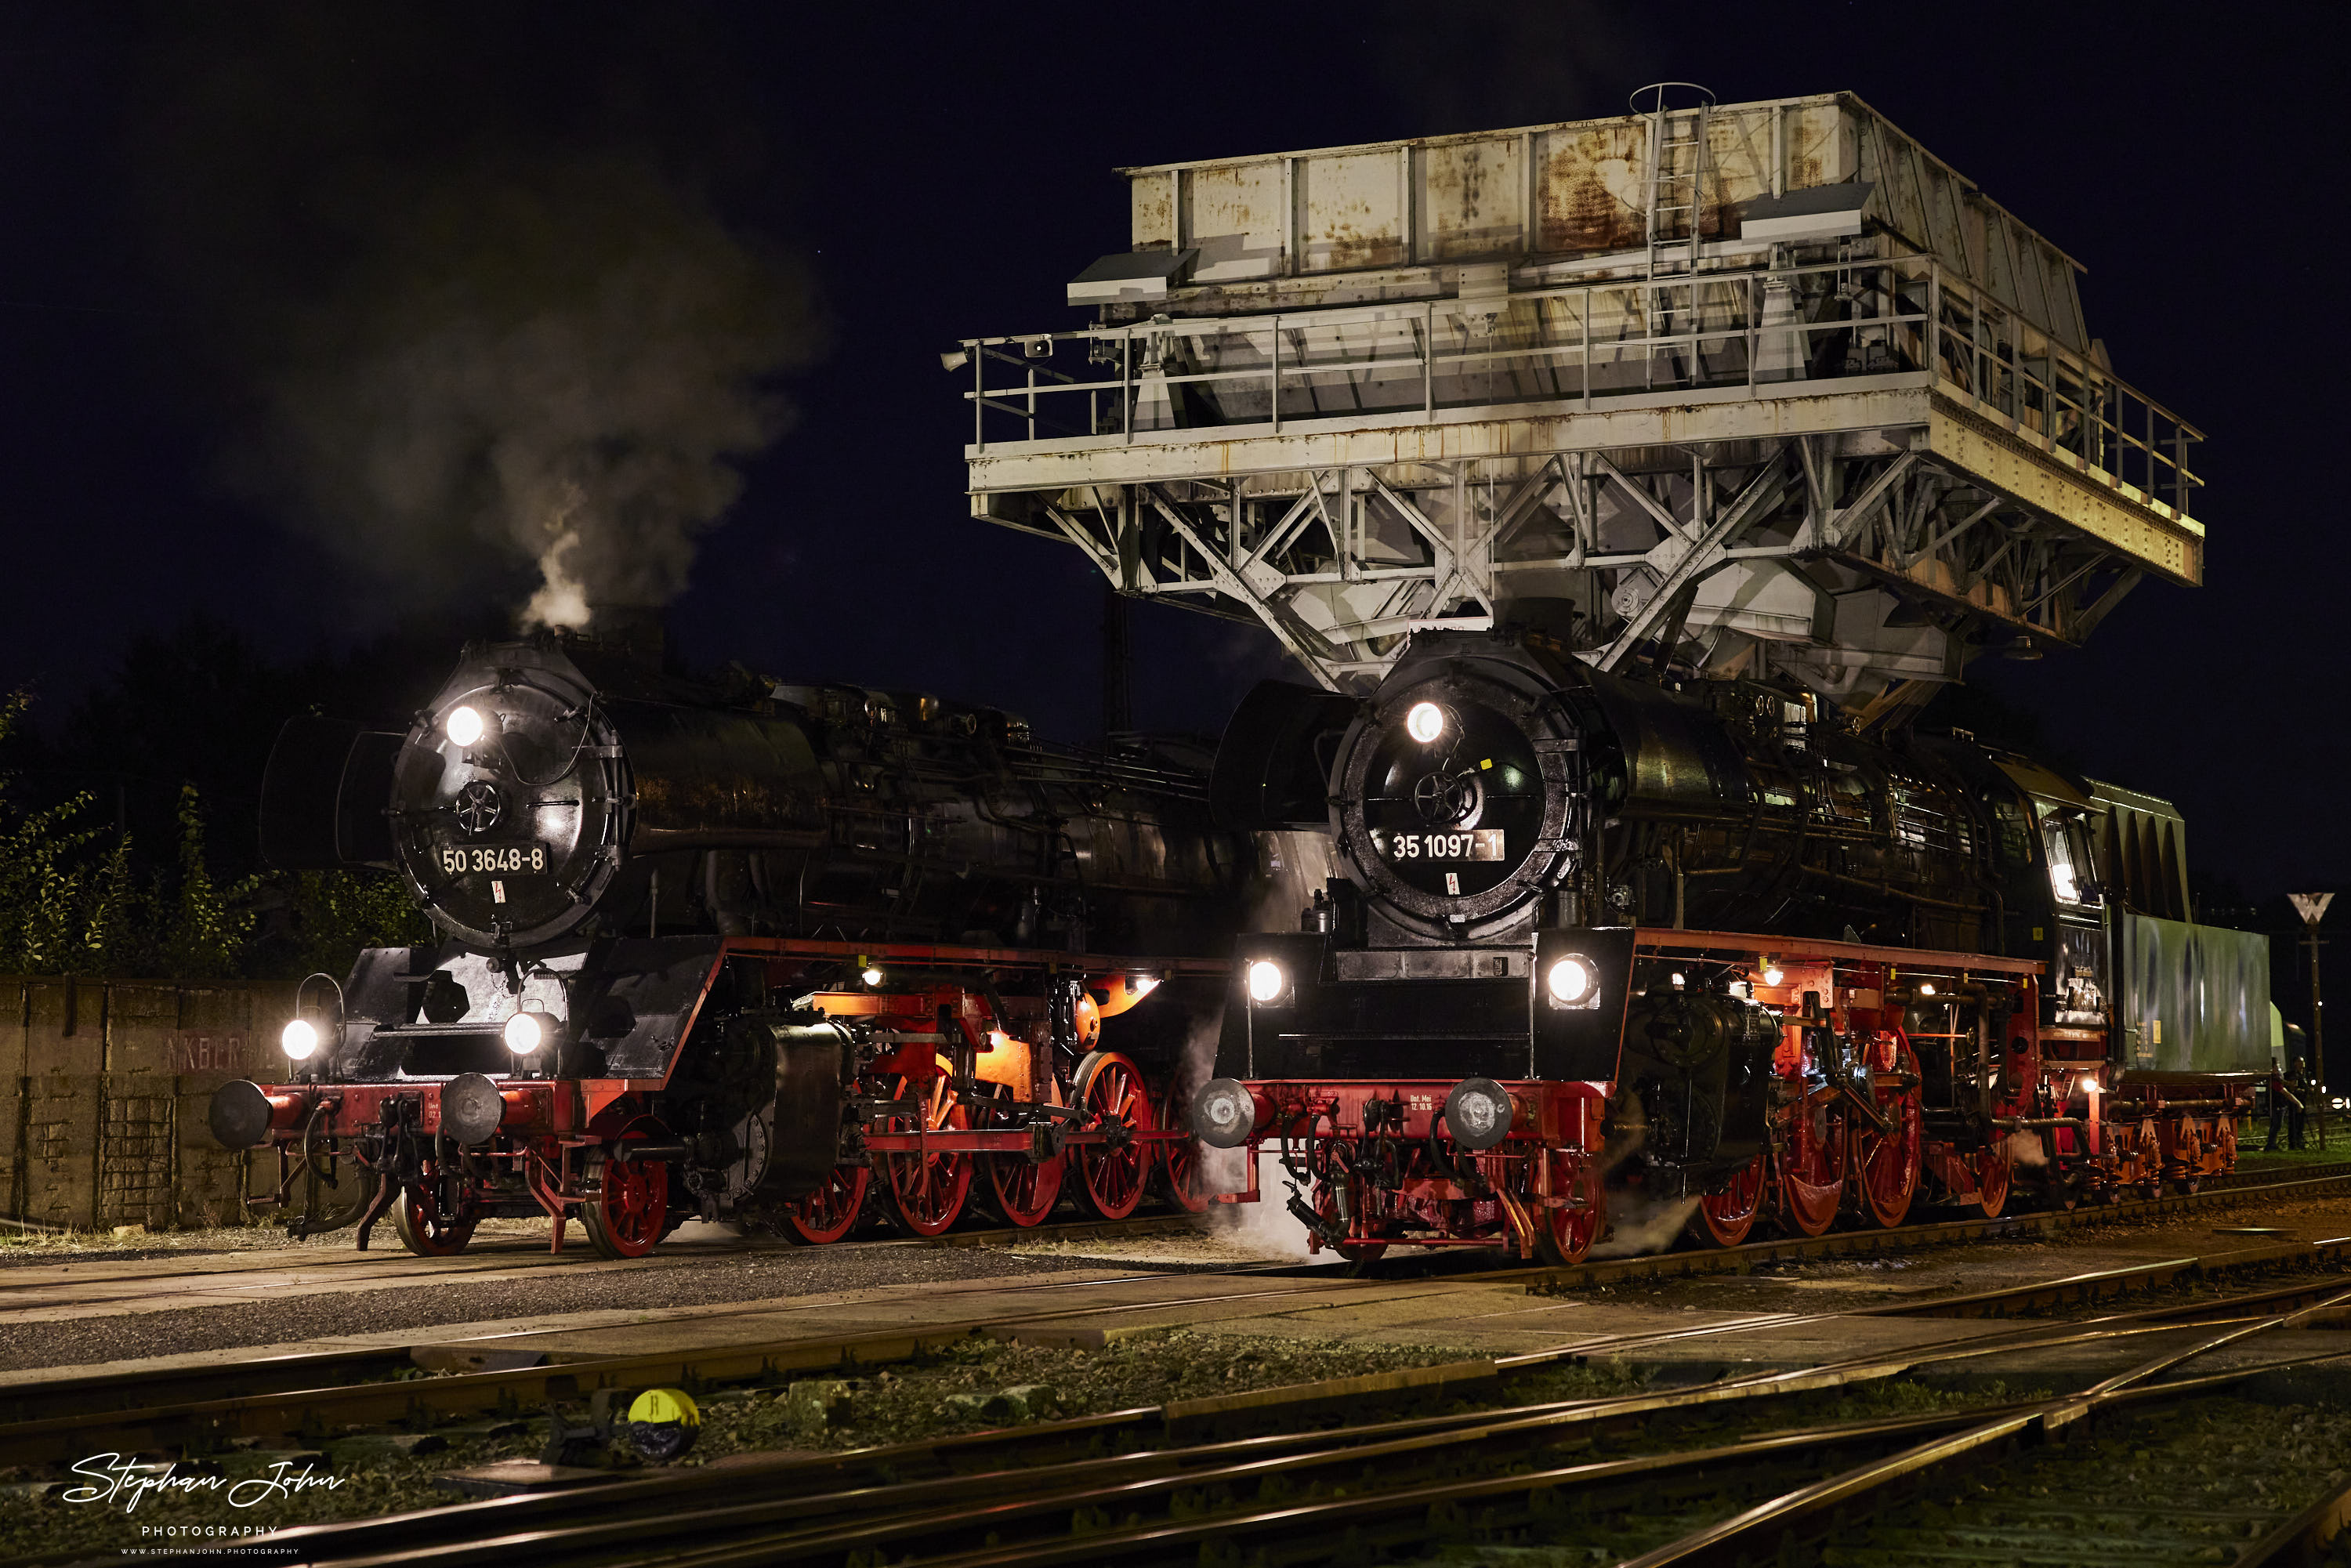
(200, 209)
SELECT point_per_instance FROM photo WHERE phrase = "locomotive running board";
(1651, 938)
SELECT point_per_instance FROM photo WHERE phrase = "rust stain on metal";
(1585, 182)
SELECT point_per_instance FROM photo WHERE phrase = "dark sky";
(176, 190)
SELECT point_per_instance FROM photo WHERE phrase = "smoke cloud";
(485, 323)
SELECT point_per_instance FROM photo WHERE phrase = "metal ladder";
(1677, 186)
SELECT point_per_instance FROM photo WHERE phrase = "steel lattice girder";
(1856, 539)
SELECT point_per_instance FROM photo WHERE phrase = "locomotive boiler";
(738, 949)
(1703, 947)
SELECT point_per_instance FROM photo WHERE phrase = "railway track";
(179, 1283)
(1300, 1495)
(1689, 1262)
(302, 1400)
(276, 1398)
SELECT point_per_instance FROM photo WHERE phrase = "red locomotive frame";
(1850, 1131)
(1027, 1122)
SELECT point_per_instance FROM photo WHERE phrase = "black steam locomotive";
(1699, 943)
(737, 949)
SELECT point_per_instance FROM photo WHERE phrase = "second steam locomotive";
(737, 950)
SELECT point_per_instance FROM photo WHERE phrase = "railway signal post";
(2311, 907)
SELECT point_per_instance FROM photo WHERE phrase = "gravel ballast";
(459, 1304)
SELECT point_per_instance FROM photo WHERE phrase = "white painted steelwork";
(1852, 460)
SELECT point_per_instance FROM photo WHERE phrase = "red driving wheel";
(1565, 1234)
(1812, 1169)
(927, 1190)
(1025, 1190)
(1887, 1159)
(1184, 1176)
(1995, 1171)
(628, 1211)
(1109, 1089)
(1724, 1218)
(831, 1211)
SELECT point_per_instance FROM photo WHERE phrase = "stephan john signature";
(113, 1476)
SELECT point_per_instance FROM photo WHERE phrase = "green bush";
(72, 902)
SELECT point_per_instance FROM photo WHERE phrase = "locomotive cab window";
(2015, 831)
(2071, 875)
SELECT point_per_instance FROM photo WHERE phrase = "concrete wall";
(103, 1088)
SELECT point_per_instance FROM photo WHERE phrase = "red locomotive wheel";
(928, 1190)
(831, 1211)
(1184, 1176)
(1887, 1162)
(1025, 1190)
(1811, 1170)
(1022, 1190)
(1564, 1235)
(1724, 1218)
(629, 1211)
(1110, 1180)
(1995, 1174)
(424, 1226)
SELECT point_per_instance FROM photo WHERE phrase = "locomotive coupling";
(1224, 1113)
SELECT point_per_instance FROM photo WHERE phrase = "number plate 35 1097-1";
(1467, 844)
(464, 860)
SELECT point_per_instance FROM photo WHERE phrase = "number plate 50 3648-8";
(461, 860)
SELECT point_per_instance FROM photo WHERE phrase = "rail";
(1584, 346)
(1010, 1496)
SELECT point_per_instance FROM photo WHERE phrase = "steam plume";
(486, 327)
(583, 420)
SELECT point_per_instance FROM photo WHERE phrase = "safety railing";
(1582, 345)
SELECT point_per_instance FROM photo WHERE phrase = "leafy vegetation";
(76, 898)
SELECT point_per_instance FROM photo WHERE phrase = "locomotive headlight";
(463, 725)
(1425, 723)
(299, 1040)
(1265, 980)
(1773, 975)
(525, 1032)
(1570, 980)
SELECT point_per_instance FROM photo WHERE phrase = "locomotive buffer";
(1760, 390)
